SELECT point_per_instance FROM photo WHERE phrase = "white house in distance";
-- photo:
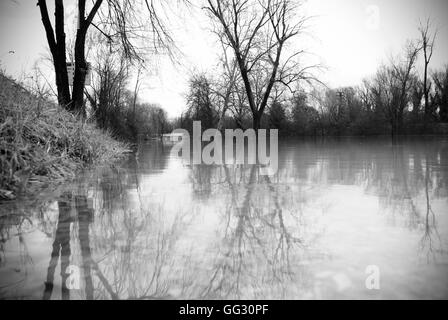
(171, 138)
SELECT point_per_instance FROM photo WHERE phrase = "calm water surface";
(152, 227)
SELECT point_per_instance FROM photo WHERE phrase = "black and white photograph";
(223, 155)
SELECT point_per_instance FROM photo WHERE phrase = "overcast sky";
(350, 37)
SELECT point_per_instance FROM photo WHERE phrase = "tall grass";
(41, 143)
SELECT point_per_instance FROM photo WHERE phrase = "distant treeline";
(390, 102)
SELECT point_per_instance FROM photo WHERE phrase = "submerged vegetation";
(42, 143)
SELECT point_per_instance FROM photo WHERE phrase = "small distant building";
(171, 138)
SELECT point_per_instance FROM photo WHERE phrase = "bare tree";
(39, 85)
(239, 105)
(440, 97)
(391, 87)
(225, 88)
(136, 90)
(427, 39)
(56, 42)
(201, 100)
(107, 92)
(124, 22)
(257, 33)
(417, 93)
(365, 94)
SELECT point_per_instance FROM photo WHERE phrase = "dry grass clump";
(40, 142)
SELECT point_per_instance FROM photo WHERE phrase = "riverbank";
(42, 144)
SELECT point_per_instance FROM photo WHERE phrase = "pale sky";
(350, 37)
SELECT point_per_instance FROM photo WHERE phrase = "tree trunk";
(256, 121)
(399, 124)
(62, 86)
(80, 74)
(426, 92)
(56, 43)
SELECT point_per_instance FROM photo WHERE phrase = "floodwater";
(342, 218)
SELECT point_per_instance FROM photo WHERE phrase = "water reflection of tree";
(399, 192)
(261, 246)
(16, 222)
(135, 251)
(85, 217)
(140, 258)
(255, 237)
(138, 267)
(406, 175)
(127, 240)
(430, 227)
(129, 251)
(411, 184)
(151, 157)
(60, 249)
(204, 178)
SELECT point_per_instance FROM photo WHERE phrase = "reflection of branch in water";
(235, 241)
(61, 248)
(430, 226)
(388, 177)
(404, 194)
(285, 238)
(7, 222)
(248, 238)
(131, 270)
(104, 281)
(15, 223)
(85, 217)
